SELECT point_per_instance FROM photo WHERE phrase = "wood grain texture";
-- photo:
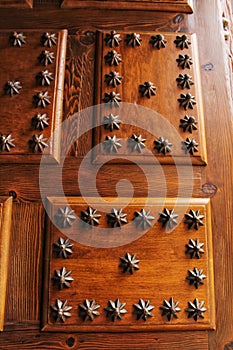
(5, 232)
(16, 3)
(24, 286)
(158, 5)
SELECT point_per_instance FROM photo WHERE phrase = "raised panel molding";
(16, 3)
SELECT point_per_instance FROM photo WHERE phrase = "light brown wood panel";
(5, 232)
(24, 276)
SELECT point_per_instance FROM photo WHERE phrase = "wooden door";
(160, 241)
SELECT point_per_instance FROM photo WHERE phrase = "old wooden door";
(157, 148)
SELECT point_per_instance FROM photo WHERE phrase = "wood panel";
(16, 3)
(21, 64)
(5, 232)
(96, 273)
(162, 112)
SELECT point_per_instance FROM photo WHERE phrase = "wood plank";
(16, 3)
(5, 232)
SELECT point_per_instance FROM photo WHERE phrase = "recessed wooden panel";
(5, 227)
(163, 266)
(142, 64)
(160, 5)
(21, 64)
(16, 3)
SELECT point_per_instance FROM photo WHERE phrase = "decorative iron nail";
(111, 144)
(194, 219)
(48, 39)
(113, 39)
(40, 121)
(113, 98)
(42, 99)
(63, 248)
(113, 79)
(17, 39)
(61, 310)
(115, 310)
(194, 249)
(182, 42)
(44, 77)
(6, 143)
(158, 41)
(195, 309)
(136, 143)
(88, 310)
(147, 89)
(112, 122)
(116, 218)
(163, 145)
(12, 87)
(188, 123)
(65, 217)
(133, 39)
(62, 278)
(190, 146)
(195, 277)
(38, 143)
(129, 263)
(46, 57)
(143, 309)
(187, 101)
(184, 81)
(90, 216)
(113, 58)
(184, 61)
(170, 309)
(168, 218)
(143, 219)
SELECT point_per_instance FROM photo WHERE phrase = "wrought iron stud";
(168, 218)
(115, 310)
(116, 218)
(112, 39)
(62, 278)
(63, 248)
(188, 123)
(49, 39)
(184, 81)
(6, 143)
(158, 41)
(133, 40)
(12, 87)
(187, 101)
(113, 79)
(46, 57)
(170, 309)
(112, 144)
(65, 217)
(184, 61)
(61, 310)
(195, 277)
(143, 219)
(90, 216)
(129, 263)
(194, 249)
(18, 39)
(38, 143)
(113, 98)
(42, 99)
(136, 143)
(147, 89)
(113, 58)
(112, 122)
(143, 309)
(182, 42)
(45, 78)
(40, 121)
(88, 310)
(190, 146)
(196, 309)
(194, 219)
(163, 145)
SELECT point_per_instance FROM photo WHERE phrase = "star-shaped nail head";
(113, 79)
(40, 121)
(196, 309)
(88, 310)
(12, 87)
(62, 278)
(129, 263)
(193, 219)
(112, 144)
(113, 58)
(143, 309)
(158, 41)
(147, 89)
(168, 218)
(188, 123)
(46, 57)
(187, 101)
(63, 248)
(143, 219)
(115, 310)
(190, 146)
(60, 310)
(112, 39)
(116, 218)
(184, 81)
(184, 61)
(170, 309)
(163, 145)
(136, 143)
(182, 42)
(112, 122)
(18, 39)
(133, 40)
(194, 248)
(42, 99)
(45, 77)
(65, 217)
(6, 143)
(113, 98)
(38, 143)
(49, 39)
(195, 277)
(90, 216)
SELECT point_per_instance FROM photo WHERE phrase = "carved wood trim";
(16, 3)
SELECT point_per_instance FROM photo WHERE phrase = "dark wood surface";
(23, 311)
